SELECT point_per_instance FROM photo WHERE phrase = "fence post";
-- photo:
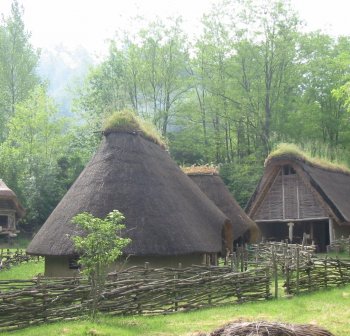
(209, 288)
(275, 275)
(298, 268)
(309, 271)
(286, 267)
(325, 272)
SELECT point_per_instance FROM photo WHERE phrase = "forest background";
(251, 79)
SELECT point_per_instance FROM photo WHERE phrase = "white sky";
(90, 22)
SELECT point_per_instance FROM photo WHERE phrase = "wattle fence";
(254, 274)
(137, 290)
(10, 257)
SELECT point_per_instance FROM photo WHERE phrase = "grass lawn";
(329, 309)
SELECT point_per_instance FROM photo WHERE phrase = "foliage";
(18, 62)
(99, 248)
(36, 140)
(242, 178)
(127, 121)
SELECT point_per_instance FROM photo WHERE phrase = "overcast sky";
(90, 22)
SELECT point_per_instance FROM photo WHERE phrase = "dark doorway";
(4, 221)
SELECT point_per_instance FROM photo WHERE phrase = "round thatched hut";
(209, 181)
(10, 211)
(168, 218)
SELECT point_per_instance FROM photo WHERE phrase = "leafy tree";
(18, 62)
(98, 249)
(28, 158)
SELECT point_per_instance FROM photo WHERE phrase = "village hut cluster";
(168, 218)
(189, 216)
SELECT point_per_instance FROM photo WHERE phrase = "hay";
(200, 170)
(269, 329)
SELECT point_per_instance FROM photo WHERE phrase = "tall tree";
(18, 62)
(29, 156)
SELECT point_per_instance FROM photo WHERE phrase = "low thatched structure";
(10, 211)
(168, 218)
(269, 329)
(301, 198)
(209, 181)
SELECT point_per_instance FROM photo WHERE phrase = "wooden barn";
(301, 198)
(210, 182)
(10, 211)
(168, 218)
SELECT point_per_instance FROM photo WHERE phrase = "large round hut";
(168, 218)
(210, 182)
(10, 211)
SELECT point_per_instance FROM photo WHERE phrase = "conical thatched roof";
(166, 213)
(7, 194)
(331, 181)
(209, 181)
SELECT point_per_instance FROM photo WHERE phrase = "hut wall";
(289, 198)
(59, 266)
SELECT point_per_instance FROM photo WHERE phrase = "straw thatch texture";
(214, 187)
(269, 329)
(166, 213)
(7, 194)
(331, 184)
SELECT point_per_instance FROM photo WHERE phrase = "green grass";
(25, 270)
(328, 309)
(127, 121)
(289, 149)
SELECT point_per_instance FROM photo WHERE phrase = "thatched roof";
(7, 194)
(331, 181)
(209, 181)
(166, 213)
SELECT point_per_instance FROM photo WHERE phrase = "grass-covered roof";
(200, 170)
(126, 121)
(288, 150)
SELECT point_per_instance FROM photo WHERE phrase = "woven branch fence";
(9, 258)
(317, 274)
(340, 245)
(135, 291)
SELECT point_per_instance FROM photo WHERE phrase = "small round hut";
(209, 181)
(10, 211)
(168, 218)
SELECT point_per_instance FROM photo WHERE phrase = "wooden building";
(10, 211)
(300, 198)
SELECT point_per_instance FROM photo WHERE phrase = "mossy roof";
(292, 151)
(126, 121)
(200, 170)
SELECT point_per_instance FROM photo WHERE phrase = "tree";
(37, 138)
(18, 62)
(101, 246)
